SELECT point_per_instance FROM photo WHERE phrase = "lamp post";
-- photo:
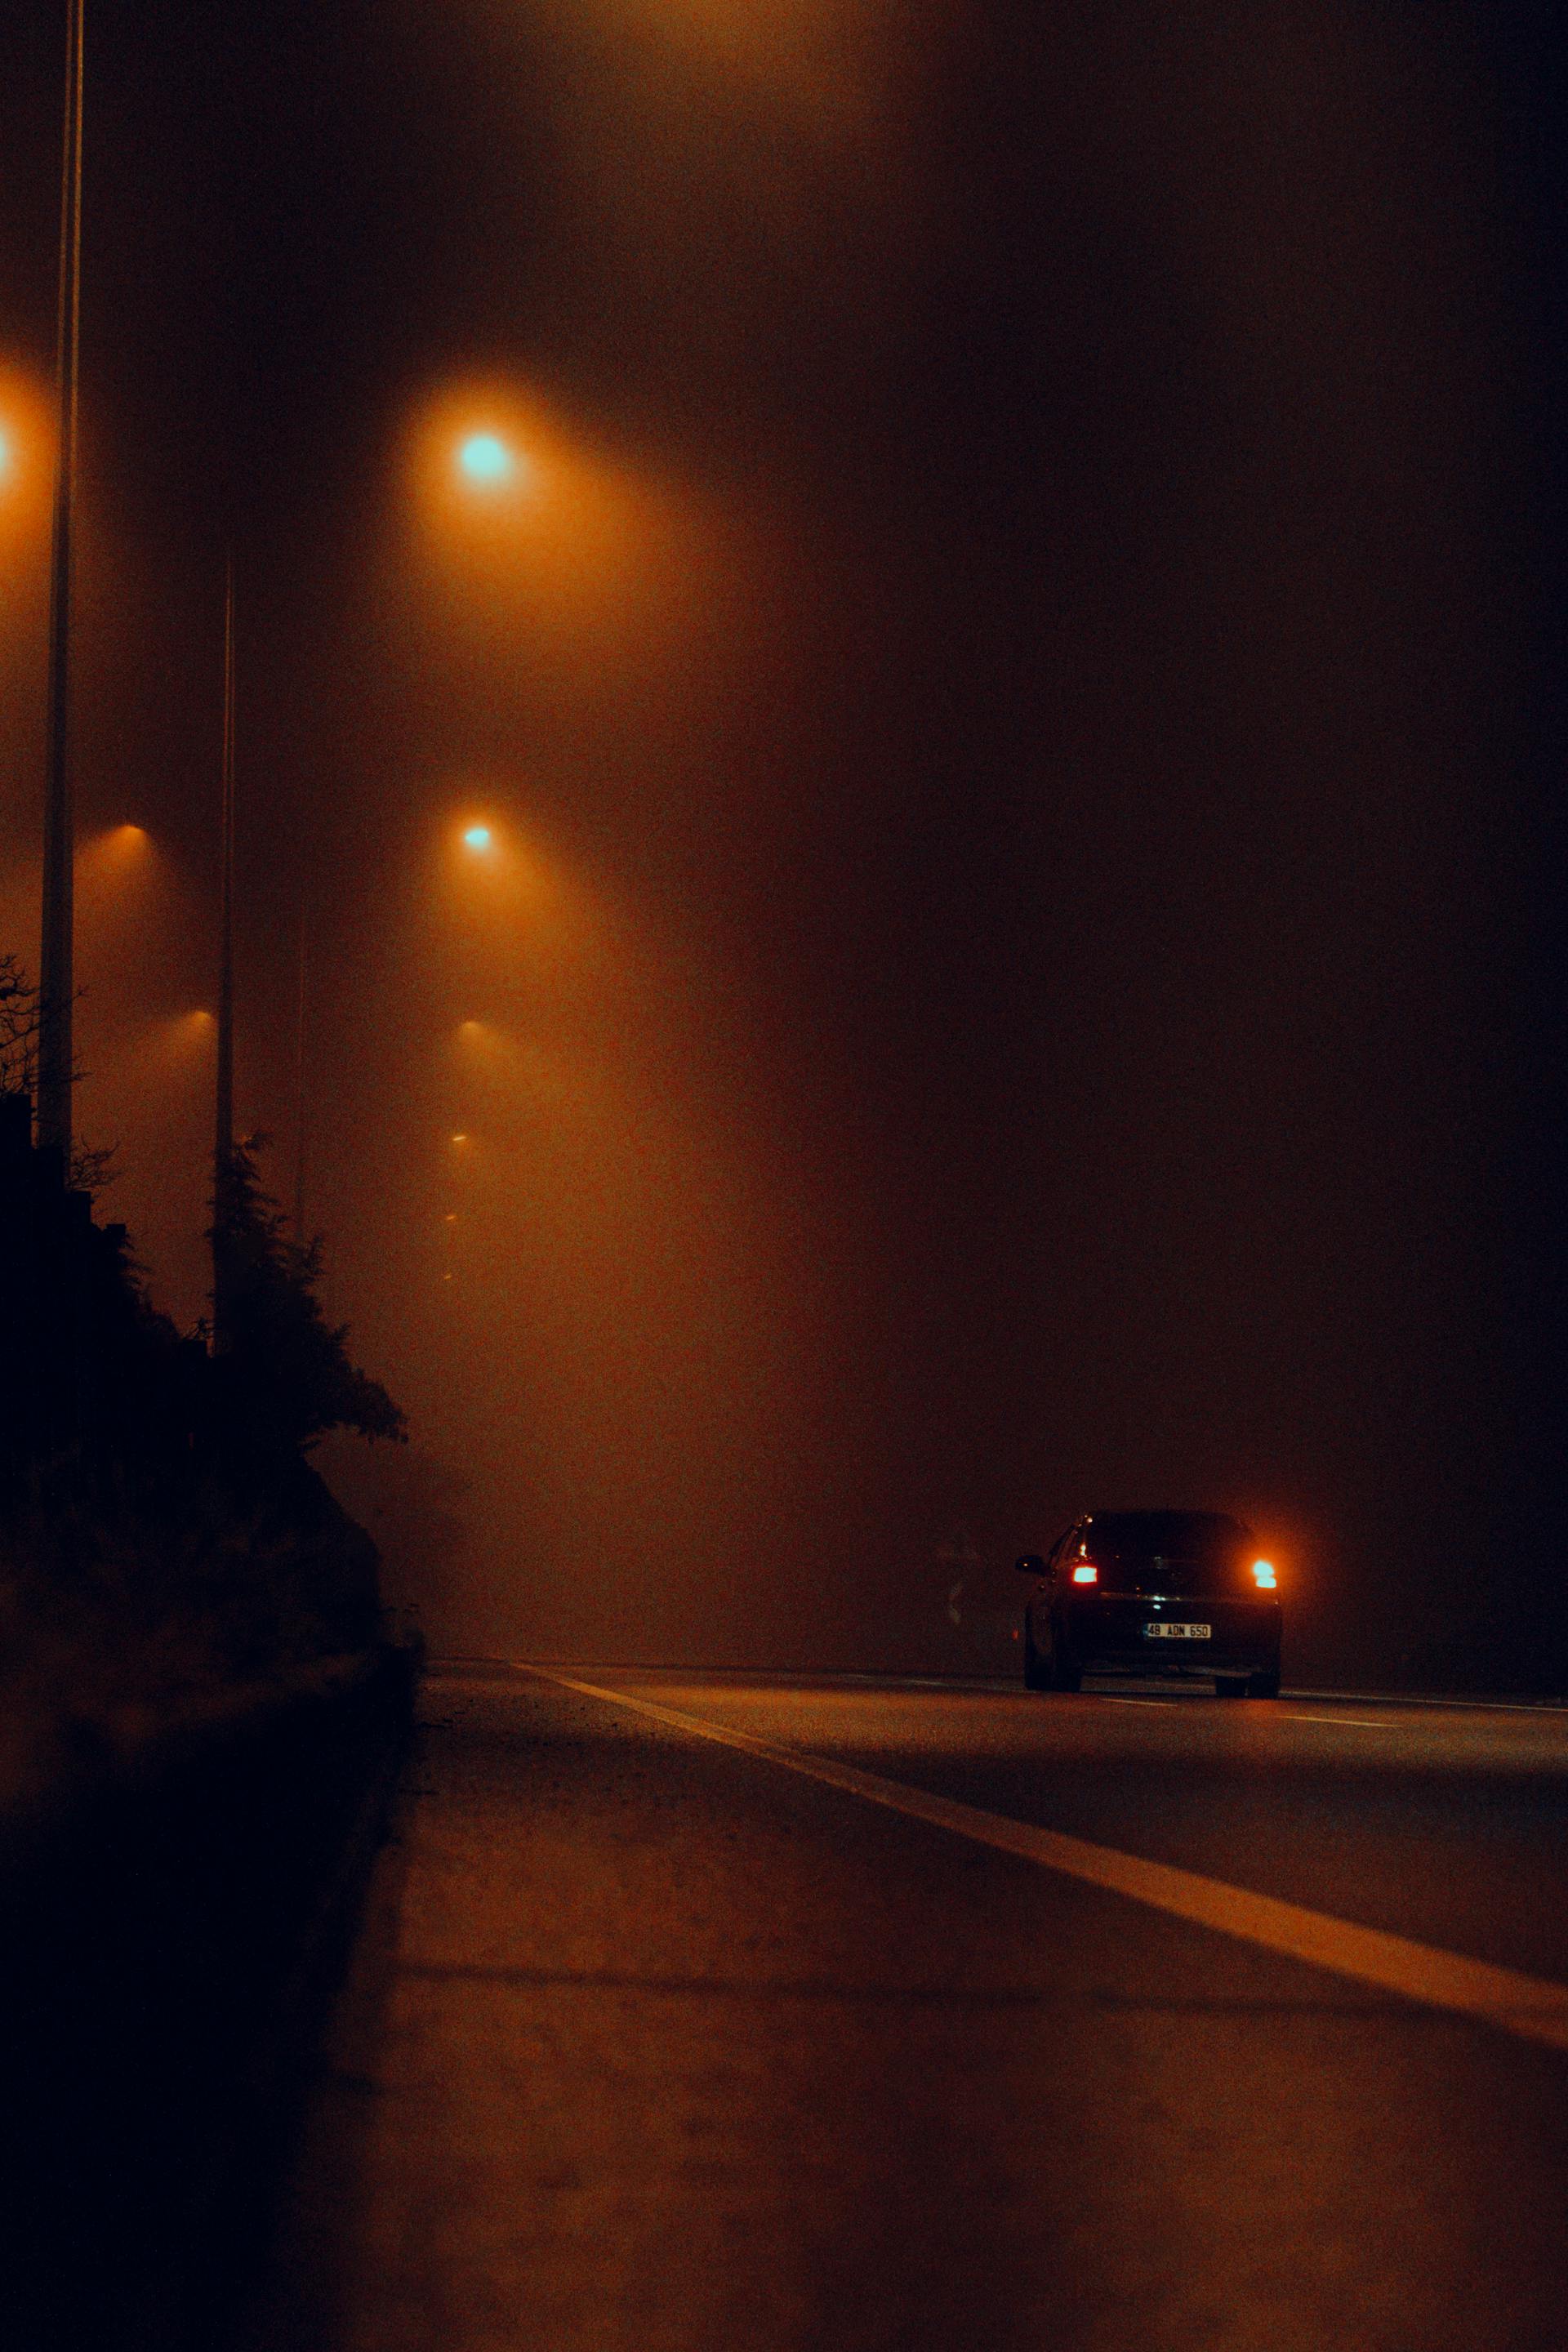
(300, 1105)
(223, 1140)
(56, 974)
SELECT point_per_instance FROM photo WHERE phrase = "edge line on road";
(1533, 2007)
(1356, 1722)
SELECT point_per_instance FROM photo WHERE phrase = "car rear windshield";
(1179, 1551)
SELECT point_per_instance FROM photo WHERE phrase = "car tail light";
(1086, 1573)
(1263, 1576)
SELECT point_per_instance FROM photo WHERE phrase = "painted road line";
(1359, 1722)
(1440, 1704)
(1530, 2007)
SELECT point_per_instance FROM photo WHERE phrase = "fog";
(1005, 974)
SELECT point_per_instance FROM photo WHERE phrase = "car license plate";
(1173, 1633)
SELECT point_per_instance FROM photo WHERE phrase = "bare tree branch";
(91, 1165)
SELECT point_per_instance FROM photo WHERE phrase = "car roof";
(1152, 1525)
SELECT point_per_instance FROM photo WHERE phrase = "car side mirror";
(1031, 1564)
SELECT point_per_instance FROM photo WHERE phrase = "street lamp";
(485, 459)
(26, 463)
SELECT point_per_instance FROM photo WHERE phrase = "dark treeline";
(159, 1517)
(201, 1719)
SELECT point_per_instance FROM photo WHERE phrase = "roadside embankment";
(174, 1912)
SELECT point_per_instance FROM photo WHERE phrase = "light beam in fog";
(1002, 747)
(143, 957)
(25, 436)
(26, 443)
(113, 859)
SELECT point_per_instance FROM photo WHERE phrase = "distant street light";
(115, 855)
(27, 462)
(182, 1032)
(478, 837)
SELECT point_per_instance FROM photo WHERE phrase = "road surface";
(730, 2013)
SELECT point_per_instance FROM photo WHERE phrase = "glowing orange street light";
(479, 838)
(117, 853)
(181, 1034)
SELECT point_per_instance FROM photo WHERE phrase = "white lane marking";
(1531, 2007)
(1362, 1722)
(1434, 1703)
(1111, 1698)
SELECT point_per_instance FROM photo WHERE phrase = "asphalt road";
(736, 2013)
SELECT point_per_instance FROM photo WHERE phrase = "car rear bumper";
(1109, 1633)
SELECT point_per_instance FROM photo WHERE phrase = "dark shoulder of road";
(656, 2044)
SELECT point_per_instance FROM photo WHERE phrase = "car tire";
(1231, 1685)
(1036, 1669)
(1066, 1675)
(1264, 1685)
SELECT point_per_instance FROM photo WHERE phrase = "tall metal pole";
(223, 1141)
(57, 985)
(299, 1096)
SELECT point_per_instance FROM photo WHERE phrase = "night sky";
(1018, 713)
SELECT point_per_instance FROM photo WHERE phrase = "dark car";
(1154, 1592)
